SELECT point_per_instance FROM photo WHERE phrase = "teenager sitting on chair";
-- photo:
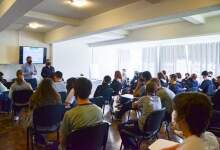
(146, 104)
(191, 115)
(84, 113)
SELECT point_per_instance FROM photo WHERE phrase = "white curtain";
(173, 59)
(204, 56)
(150, 59)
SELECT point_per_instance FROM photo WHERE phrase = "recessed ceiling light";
(34, 25)
(78, 3)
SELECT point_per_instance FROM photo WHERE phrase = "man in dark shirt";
(47, 70)
(206, 86)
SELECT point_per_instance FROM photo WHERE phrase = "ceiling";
(93, 8)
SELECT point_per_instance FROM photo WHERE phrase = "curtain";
(204, 56)
(150, 60)
(173, 59)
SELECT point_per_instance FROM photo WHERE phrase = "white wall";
(9, 49)
(72, 58)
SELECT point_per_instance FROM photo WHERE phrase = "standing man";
(48, 70)
(30, 72)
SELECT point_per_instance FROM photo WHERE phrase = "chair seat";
(140, 134)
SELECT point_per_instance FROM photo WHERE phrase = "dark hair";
(44, 93)
(218, 77)
(117, 75)
(28, 57)
(160, 75)
(164, 72)
(146, 75)
(187, 74)
(194, 76)
(179, 76)
(82, 88)
(195, 109)
(59, 74)
(205, 73)
(1, 74)
(107, 79)
(70, 84)
(151, 87)
(19, 80)
(173, 77)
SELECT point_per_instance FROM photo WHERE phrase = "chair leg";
(28, 138)
(121, 146)
(58, 136)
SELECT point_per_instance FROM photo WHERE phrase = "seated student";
(186, 79)
(48, 70)
(70, 99)
(84, 113)
(165, 75)
(206, 86)
(43, 96)
(192, 84)
(174, 85)
(2, 80)
(216, 97)
(179, 77)
(18, 85)
(214, 81)
(116, 84)
(147, 104)
(163, 81)
(141, 85)
(104, 86)
(188, 109)
(166, 97)
(59, 85)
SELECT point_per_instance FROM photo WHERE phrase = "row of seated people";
(91, 114)
(208, 86)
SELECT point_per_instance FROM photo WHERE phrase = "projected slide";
(37, 54)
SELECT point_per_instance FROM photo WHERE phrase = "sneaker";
(16, 118)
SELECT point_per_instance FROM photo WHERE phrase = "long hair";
(117, 75)
(45, 92)
(18, 79)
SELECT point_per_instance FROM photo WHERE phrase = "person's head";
(179, 76)
(193, 76)
(187, 75)
(192, 112)
(70, 83)
(29, 59)
(48, 62)
(151, 87)
(45, 91)
(117, 75)
(173, 77)
(20, 74)
(107, 80)
(146, 76)
(124, 70)
(205, 74)
(156, 82)
(160, 75)
(210, 73)
(164, 72)
(82, 88)
(57, 76)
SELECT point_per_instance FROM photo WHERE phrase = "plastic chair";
(46, 119)
(5, 102)
(20, 99)
(63, 96)
(151, 128)
(88, 138)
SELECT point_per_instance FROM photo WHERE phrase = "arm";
(35, 71)
(43, 74)
(69, 97)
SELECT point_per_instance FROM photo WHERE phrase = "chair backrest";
(63, 96)
(22, 96)
(89, 138)
(99, 101)
(107, 94)
(154, 121)
(49, 115)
